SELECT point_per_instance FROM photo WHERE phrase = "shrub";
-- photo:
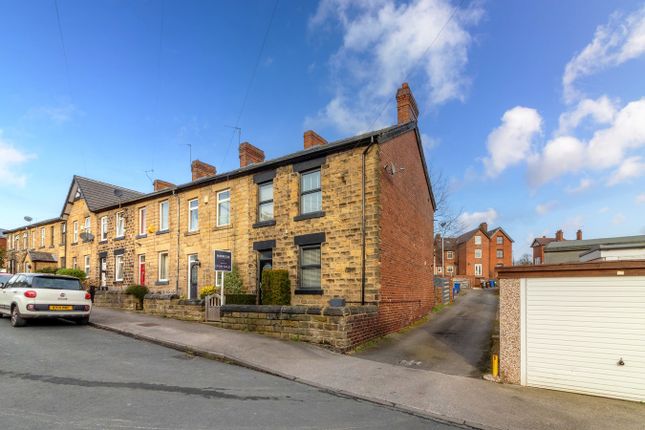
(207, 291)
(76, 273)
(233, 282)
(138, 291)
(240, 299)
(50, 270)
(276, 287)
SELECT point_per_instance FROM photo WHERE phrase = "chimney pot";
(559, 236)
(579, 235)
(250, 154)
(406, 105)
(158, 185)
(484, 226)
(313, 139)
(199, 169)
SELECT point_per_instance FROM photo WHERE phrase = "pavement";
(57, 375)
(455, 399)
(456, 341)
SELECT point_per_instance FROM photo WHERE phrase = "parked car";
(4, 277)
(38, 295)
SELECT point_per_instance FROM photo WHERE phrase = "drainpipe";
(174, 193)
(363, 233)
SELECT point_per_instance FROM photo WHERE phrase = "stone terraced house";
(351, 219)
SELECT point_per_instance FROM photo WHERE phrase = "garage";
(583, 334)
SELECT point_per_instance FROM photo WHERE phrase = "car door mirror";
(1, 285)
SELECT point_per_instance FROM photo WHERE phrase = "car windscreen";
(4, 278)
(56, 283)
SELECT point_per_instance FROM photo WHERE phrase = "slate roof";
(466, 236)
(44, 257)
(34, 224)
(543, 240)
(573, 245)
(496, 229)
(99, 195)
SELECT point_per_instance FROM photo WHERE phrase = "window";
(42, 237)
(120, 224)
(163, 267)
(25, 241)
(478, 269)
(310, 192)
(88, 225)
(500, 240)
(74, 263)
(118, 268)
(52, 229)
(500, 253)
(265, 201)
(537, 260)
(439, 269)
(163, 215)
(310, 267)
(223, 208)
(193, 215)
(450, 269)
(75, 232)
(478, 253)
(478, 240)
(33, 239)
(142, 221)
(87, 265)
(104, 228)
(450, 255)
(63, 234)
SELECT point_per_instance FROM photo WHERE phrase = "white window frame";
(191, 227)
(120, 216)
(450, 269)
(313, 191)
(500, 251)
(479, 272)
(118, 264)
(104, 228)
(220, 202)
(478, 253)
(450, 255)
(164, 215)
(267, 202)
(478, 240)
(87, 225)
(25, 240)
(42, 237)
(87, 264)
(74, 263)
(75, 232)
(500, 240)
(143, 222)
(159, 277)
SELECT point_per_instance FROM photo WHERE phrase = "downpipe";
(363, 232)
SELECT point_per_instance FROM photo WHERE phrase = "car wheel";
(83, 321)
(16, 319)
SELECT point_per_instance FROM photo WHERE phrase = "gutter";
(363, 232)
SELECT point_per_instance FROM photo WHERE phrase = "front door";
(192, 276)
(103, 272)
(142, 269)
(265, 262)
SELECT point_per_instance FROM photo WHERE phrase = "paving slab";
(456, 399)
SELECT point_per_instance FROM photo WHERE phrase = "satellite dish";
(118, 193)
(28, 219)
(86, 237)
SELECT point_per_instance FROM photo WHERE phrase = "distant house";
(539, 243)
(603, 249)
(3, 246)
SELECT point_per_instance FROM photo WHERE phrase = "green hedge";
(76, 273)
(51, 270)
(138, 291)
(276, 287)
(240, 299)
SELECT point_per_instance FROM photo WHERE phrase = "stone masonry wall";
(509, 333)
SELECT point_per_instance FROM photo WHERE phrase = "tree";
(525, 260)
(447, 220)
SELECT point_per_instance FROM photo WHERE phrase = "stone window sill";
(309, 215)
(103, 242)
(162, 232)
(120, 238)
(141, 236)
(310, 292)
(161, 283)
(191, 233)
(261, 224)
(222, 227)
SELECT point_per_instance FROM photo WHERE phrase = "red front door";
(142, 270)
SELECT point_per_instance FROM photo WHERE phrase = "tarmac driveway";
(456, 341)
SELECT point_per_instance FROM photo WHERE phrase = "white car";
(38, 295)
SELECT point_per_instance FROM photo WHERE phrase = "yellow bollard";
(495, 365)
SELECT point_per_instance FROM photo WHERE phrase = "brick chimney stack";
(406, 105)
(313, 139)
(250, 154)
(484, 226)
(579, 235)
(158, 185)
(559, 236)
(199, 169)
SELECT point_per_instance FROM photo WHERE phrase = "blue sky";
(535, 111)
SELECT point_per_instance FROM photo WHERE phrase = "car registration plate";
(60, 308)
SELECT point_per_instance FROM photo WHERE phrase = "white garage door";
(578, 331)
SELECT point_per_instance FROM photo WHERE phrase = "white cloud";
(544, 208)
(429, 142)
(584, 184)
(561, 155)
(473, 219)
(620, 40)
(511, 142)
(640, 198)
(618, 219)
(383, 43)
(602, 111)
(58, 114)
(603, 210)
(632, 167)
(10, 160)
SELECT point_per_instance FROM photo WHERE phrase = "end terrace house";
(351, 219)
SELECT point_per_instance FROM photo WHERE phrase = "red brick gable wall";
(407, 236)
(467, 260)
(506, 247)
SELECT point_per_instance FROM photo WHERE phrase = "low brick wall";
(171, 307)
(115, 300)
(340, 328)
